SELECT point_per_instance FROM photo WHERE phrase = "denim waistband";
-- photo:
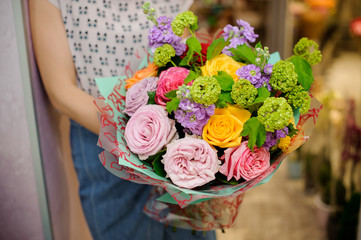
(75, 124)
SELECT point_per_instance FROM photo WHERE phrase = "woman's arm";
(56, 65)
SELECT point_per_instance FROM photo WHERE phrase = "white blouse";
(109, 38)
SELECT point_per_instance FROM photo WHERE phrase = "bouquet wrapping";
(204, 123)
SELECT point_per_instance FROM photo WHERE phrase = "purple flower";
(272, 137)
(137, 95)
(179, 48)
(162, 34)
(239, 36)
(230, 31)
(268, 68)
(247, 31)
(164, 22)
(265, 82)
(193, 116)
(251, 73)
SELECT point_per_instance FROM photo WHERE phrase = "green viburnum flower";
(163, 55)
(243, 93)
(275, 113)
(205, 90)
(308, 49)
(299, 98)
(283, 77)
(183, 20)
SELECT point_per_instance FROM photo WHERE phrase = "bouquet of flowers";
(205, 121)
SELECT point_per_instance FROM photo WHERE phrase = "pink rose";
(190, 162)
(240, 162)
(137, 95)
(149, 130)
(169, 80)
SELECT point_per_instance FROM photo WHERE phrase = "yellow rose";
(284, 143)
(224, 128)
(222, 62)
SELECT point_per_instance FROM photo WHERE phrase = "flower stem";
(192, 33)
(173, 63)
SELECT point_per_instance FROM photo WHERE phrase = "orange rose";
(224, 128)
(150, 71)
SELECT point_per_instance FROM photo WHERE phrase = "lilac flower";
(247, 31)
(268, 68)
(193, 116)
(230, 31)
(179, 48)
(272, 137)
(239, 35)
(265, 82)
(164, 22)
(251, 73)
(162, 34)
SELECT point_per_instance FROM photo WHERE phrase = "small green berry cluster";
(243, 93)
(284, 77)
(163, 55)
(308, 49)
(182, 21)
(299, 98)
(205, 90)
(275, 113)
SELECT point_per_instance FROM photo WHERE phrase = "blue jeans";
(113, 207)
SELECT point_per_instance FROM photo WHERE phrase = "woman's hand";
(56, 65)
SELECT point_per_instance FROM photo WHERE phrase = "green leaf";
(149, 164)
(304, 72)
(172, 105)
(254, 107)
(255, 131)
(223, 99)
(171, 94)
(158, 166)
(263, 94)
(244, 53)
(153, 157)
(222, 178)
(151, 96)
(225, 80)
(191, 76)
(155, 162)
(187, 58)
(194, 45)
(258, 45)
(292, 131)
(216, 47)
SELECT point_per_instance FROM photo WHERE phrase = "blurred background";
(314, 195)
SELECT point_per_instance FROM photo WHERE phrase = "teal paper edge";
(106, 84)
(268, 178)
(275, 57)
(296, 115)
(167, 198)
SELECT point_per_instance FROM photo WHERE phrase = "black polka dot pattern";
(109, 38)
